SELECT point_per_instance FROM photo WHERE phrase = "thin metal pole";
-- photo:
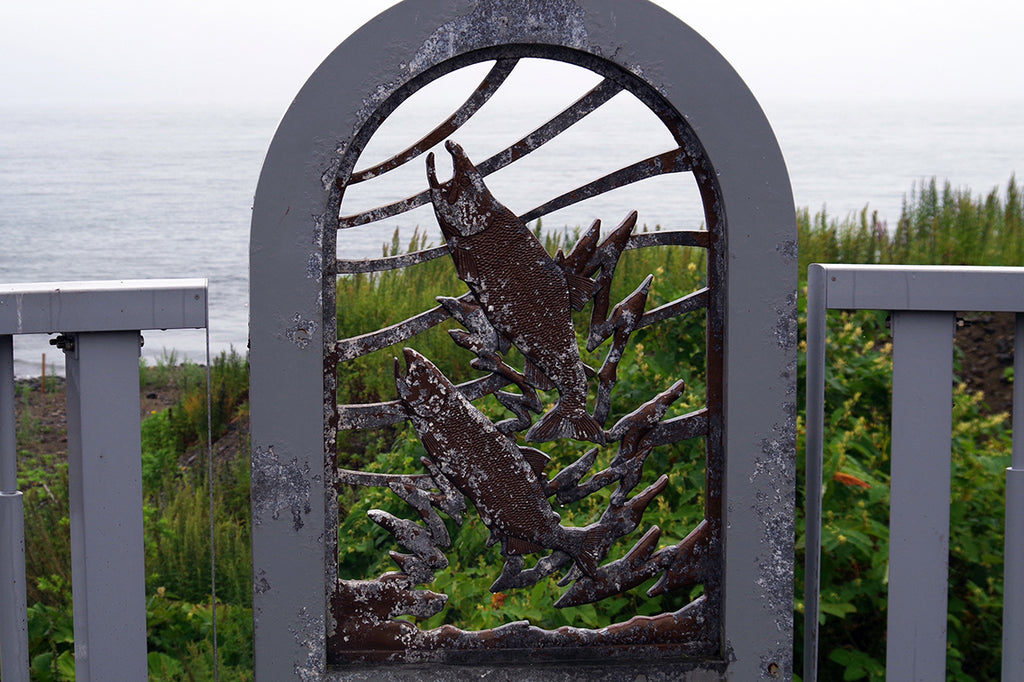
(813, 458)
(1013, 564)
(13, 609)
(921, 462)
(213, 520)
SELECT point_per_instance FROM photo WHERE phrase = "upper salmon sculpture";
(502, 479)
(524, 293)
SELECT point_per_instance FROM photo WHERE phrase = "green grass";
(937, 225)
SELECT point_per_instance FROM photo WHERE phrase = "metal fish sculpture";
(524, 293)
(502, 480)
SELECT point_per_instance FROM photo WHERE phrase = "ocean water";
(147, 193)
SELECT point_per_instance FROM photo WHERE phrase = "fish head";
(424, 389)
(463, 205)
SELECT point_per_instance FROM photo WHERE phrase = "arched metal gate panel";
(730, 574)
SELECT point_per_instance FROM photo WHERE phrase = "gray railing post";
(922, 426)
(13, 622)
(100, 323)
(815, 418)
(923, 300)
(105, 477)
(1013, 566)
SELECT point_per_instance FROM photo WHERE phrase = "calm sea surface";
(164, 194)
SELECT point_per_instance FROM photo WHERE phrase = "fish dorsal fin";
(581, 289)
(520, 546)
(535, 377)
(537, 460)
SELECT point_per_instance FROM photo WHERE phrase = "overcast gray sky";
(259, 52)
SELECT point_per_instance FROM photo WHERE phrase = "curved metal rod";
(375, 415)
(677, 429)
(488, 86)
(350, 267)
(570, 116)
(352, 477)
(356, 346)
(697, 238)
(586, 104)
(675, 161)
(685, 304)
(364, 344)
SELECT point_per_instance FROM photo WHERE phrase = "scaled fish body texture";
(502, 480)
(524, 293)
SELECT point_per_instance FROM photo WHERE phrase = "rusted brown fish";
(502, 480)
(524, 293)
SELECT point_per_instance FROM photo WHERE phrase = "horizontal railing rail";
(923, 301)
(100, 323)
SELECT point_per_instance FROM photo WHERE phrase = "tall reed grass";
(947, 226)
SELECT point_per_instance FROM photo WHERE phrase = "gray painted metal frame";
(292, 326)
(103, 321)
(923, 300)
(14, 660)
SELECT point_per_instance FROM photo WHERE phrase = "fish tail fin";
(561, 422)
(591, 547)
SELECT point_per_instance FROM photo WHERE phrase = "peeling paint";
(278, 486)
(310, 635)
(789, 250)
(787, 329)
(260, 584)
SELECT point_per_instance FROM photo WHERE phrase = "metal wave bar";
(488, 86)
(697, 238)
(373, 415)
(600, 94)
(685, 304)
(357, 346)
(675, 161)
(678, 429)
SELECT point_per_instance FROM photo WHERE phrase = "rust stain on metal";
(302, 331)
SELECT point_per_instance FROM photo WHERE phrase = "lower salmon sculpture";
(524, 293)
(503, 481)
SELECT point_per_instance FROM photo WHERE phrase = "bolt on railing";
(101, 322)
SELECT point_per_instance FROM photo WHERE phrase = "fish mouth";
(462, 169)
(423, 387)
